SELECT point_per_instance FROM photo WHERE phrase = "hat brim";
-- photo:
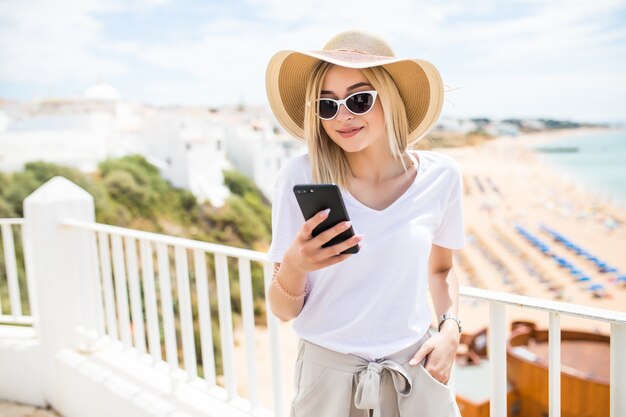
(419, 84)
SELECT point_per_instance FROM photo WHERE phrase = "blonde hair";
(328, 161)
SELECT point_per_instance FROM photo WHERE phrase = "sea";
(595, 159)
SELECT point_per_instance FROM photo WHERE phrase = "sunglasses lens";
(360, 103)
(328, 109)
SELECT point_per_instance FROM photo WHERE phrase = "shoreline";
(544, 137)
(527, 141)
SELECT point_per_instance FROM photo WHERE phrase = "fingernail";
(346, 225)
(325, 212)
(413, 362)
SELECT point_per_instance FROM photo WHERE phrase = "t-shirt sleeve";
(451, 230)
(286, 215)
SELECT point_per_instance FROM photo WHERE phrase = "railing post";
(497, 359)
(63, 269)
(273, 325)
(618, 370)
(554, 365)
(11, 270)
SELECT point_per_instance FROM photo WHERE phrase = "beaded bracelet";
(284, 292)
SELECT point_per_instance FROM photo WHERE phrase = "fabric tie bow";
(367, 394)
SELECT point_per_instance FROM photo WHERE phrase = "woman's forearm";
(444, 291)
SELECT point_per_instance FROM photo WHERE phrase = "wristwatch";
(447, 316)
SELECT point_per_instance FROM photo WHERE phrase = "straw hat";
(418, 81)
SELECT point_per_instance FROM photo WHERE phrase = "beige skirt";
(333, 384)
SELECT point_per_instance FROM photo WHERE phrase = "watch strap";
(445, 317)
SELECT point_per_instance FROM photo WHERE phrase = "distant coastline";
(560, 149)
(544, 137)
(548, 145)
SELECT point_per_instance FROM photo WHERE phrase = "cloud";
(499, 46)
(42, 42)
(549, 33)
(597, 97)
(230, 55)
(46, 41)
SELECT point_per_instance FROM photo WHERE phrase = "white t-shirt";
(374, 303)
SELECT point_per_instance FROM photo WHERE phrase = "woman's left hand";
(441, 351)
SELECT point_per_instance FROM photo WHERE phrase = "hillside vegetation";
(130, 192)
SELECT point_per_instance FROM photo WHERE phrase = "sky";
(498, 59)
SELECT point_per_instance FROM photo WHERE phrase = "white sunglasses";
(358, 104)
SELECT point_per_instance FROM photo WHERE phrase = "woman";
(363, 319)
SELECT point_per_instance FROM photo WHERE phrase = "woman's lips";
(348, 133)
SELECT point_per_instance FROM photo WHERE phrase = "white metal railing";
(140, 262)
(16, 310)
(497, 346)
(119, 269)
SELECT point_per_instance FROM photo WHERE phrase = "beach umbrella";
(596, 287)
(621, 278)
(584, 278)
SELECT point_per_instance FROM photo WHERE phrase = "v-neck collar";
(418, 162)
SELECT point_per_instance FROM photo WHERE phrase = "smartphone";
(313, 198)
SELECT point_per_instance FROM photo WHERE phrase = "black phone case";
(313, 198)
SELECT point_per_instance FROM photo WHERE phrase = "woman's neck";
(375, 165)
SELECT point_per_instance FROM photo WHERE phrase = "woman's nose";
(344, 113)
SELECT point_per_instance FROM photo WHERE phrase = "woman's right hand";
(306, 253)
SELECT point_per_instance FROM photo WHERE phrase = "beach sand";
(516, 189)
(530, 194)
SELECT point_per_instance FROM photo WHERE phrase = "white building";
(79, 141)
(189, 151)
(456, 125)
(502, 129)
(5, 121)
(259, 151)
(79, 132)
